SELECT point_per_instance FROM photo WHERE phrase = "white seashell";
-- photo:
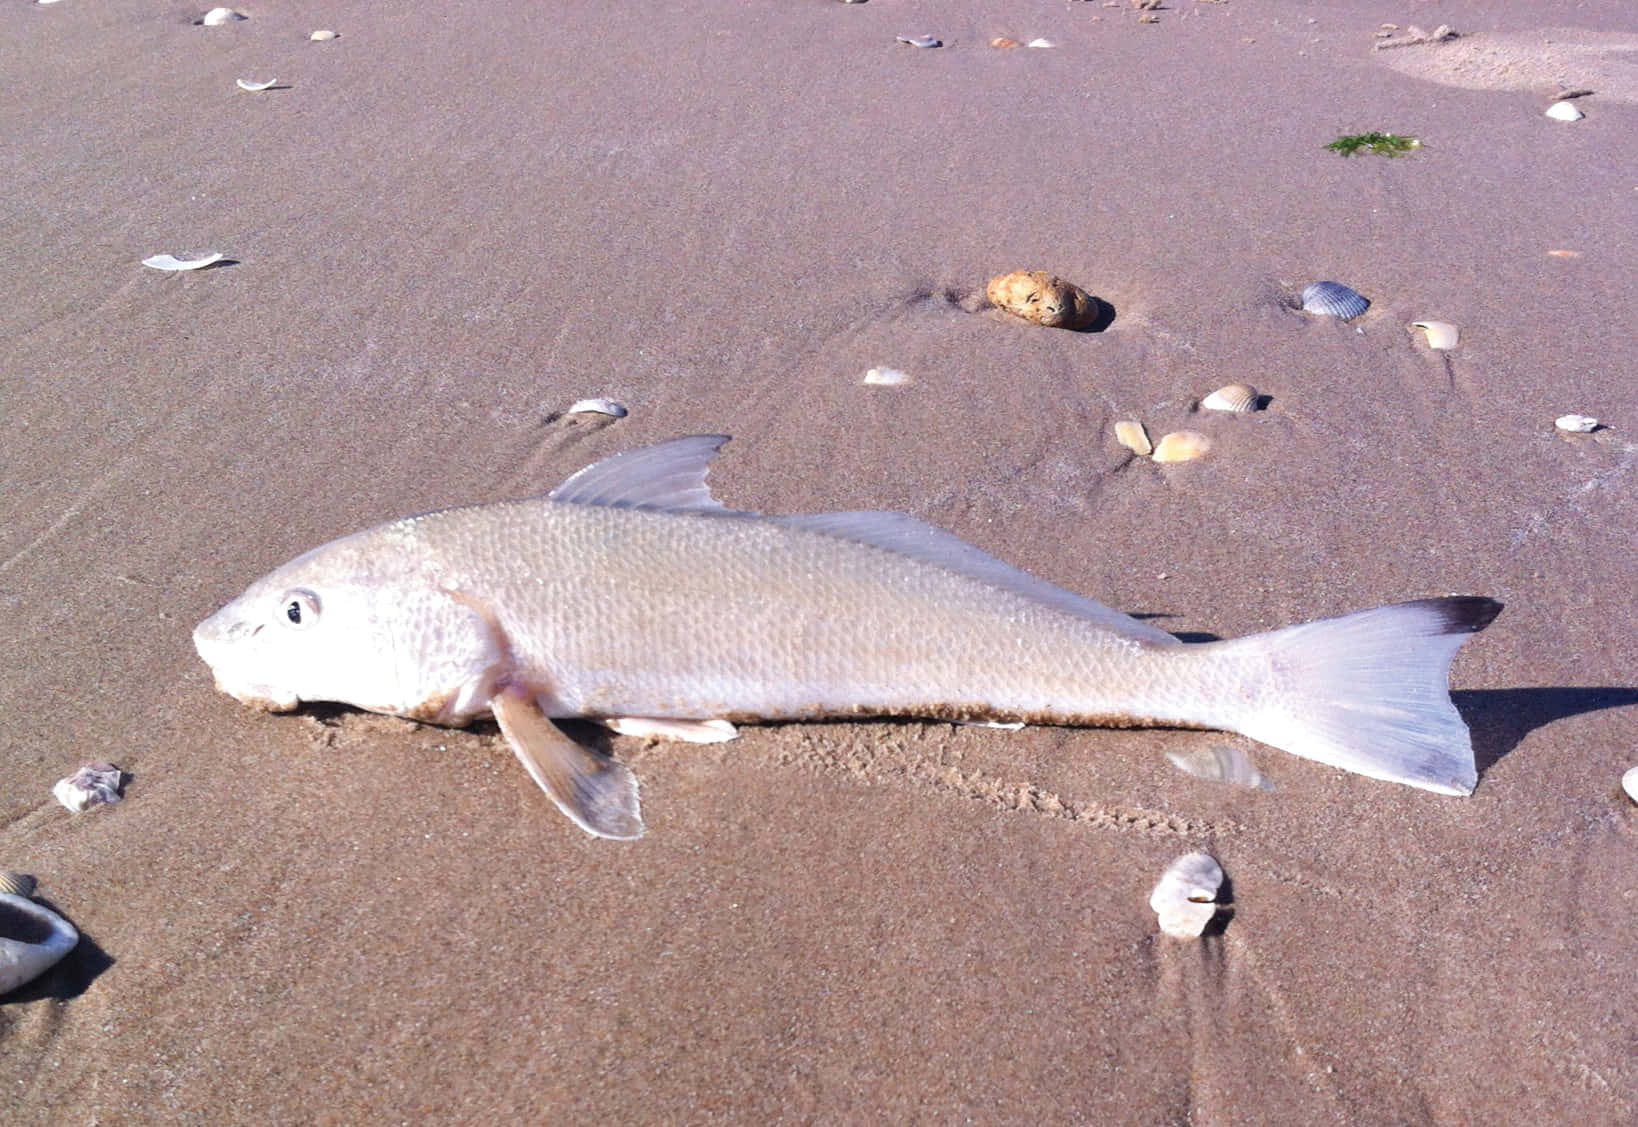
(886, 377)
(1185, 900)
(1220, 763)
(1040, 43)
(1441, 334)
(1237, 397)
(1576, 424)
(95, 784)
(1564, 111)
(255, 87)
(33, 938)
(324, 35)
(1629, 783)
(598, 407)
(45, 1)
(1182, 446)
(216, 17)
(1134, 438)
(172, 262)
(920, 40)
(1333, 299)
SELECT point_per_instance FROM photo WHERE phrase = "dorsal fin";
(919, 540)
(667, 475)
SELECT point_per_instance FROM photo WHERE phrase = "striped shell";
(17, 884)
(1237, 397)
(1333, 299)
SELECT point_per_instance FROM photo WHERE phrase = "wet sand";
(457, 219)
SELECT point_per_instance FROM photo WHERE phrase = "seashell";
(1565, 111)
(33, 938)
(1043, 43)
(216, 17)
(95, 784)
(324, 35)
(920, 41)
(1442, 335)
(1043, 298)
(1629, 783)
(172, 262)
(598, 407)
(254, 87)
(1182, 446)
(1134, 438)
(1333, 299)
(1564, 253)
(1185, 899)
(1220, 763)
(1148, 17)
(1237, 397)
(1003, 42)
(1576, 424)
(886, 377)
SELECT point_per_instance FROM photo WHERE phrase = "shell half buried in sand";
(1185, 899)
(1239, 398)
(1220, 763)
(216, 17)
(598, 407)
(1333, 299)
(174, 262)
(1182, 446)
(254, 87)
(1442, 335)
(1044, 299)
(1132, 436)
(1576, 424)
(1565, 111)
(33, 938)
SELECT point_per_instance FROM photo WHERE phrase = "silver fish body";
(631, 596)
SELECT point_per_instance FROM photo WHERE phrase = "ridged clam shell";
(1333, 299)
(1441, 334)
(32, 940)
(1576, 424)
(216, 17)
(1182, 446)
(1237, 397)
(18, 884)
(1565, 111)
(598, 407)
(1185, 899)
(1132, 436)
(1220, 763)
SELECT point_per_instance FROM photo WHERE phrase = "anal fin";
(598, 794)
(665, 728)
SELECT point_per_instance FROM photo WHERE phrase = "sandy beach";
(448, 224)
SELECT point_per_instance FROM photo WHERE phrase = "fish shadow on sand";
(1501, 718)
(73, 974)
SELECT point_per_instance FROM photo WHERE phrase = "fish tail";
(1368, 692)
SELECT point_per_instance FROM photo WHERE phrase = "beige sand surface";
(460, 217)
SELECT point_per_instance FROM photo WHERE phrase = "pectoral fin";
(663, 728)
(599, 794)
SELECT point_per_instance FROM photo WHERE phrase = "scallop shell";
(1043, 298)
(1442, 335)
(1629, 783)
(598, 407)
(920, 40)
(1134, 438)
(1565, 111)
(324, 35)
(18, 884)
(1333, 299)
(216, 17)
(254, 87)
(1182, 446)
(1237, 397)
(33, 938)
(188, 262)
(1220, 763)
(886, 377)
(1576, 424)
(1185, 899)
(95, 784)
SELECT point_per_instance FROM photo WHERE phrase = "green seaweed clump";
(1383, 144)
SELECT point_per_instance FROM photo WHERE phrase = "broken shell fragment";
(95, 784)
(184, 262)
(1220, 763)
(1333, 299)
(324, 35)
(920, 40)
(1237, 397)
(886, 377)
(33, 938)
(1565, 111)
(1043, 298)
(1442, 335)
(254, 87)
(1134, 438)
(1576, 424)
(1185, 899)
(216, 17)
(1629, 783)
(1182, 446)
(598, 407)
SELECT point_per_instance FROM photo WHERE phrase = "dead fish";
(629, 595)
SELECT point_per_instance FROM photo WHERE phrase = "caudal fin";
(1370, 692)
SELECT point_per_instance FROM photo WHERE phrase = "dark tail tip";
(1463, 614)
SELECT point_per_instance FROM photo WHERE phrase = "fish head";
(362, 621)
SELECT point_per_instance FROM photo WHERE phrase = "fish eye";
(298, 608)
